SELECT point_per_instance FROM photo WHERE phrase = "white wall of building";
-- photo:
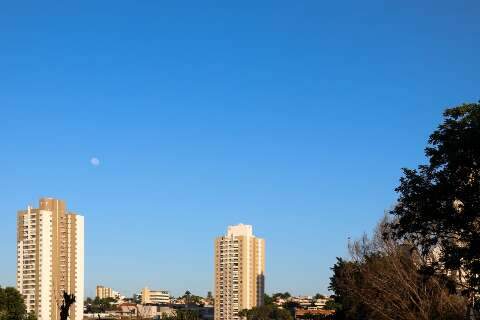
(45, 265)
(80, 290)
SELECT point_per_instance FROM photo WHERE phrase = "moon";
(94, 162)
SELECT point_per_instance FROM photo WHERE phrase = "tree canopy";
(267, 300)
(98, 305)
(191, 298)
(284, 295)
(12, 306)
(438, 207)
(383, 280)
(425, 257)
(266, 312)
(319, 296)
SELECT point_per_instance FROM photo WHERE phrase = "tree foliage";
(266, 312)
(319, 296)
(438, 208)
(98, 305)
(267, 300)
(190, 298)
(12, 306)
(333, 305)
(280, 295)
(384, 280)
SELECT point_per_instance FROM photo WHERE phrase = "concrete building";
(155, 296)
(105, 292)
(303, 301)
(50, 258)
(239, 272)
(149, 311)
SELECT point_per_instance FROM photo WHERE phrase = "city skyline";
(164, 123)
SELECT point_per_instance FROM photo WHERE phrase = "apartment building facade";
(103, 292)
(155, 296)
(239, 272)
(50, 258)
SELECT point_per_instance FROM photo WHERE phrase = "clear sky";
(292, 116)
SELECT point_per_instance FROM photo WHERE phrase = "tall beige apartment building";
(239, 272)
(50, 258)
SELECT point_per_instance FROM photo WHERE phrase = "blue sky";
(292, 116)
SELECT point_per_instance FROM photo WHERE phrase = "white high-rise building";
(50, 255)
(239, 272)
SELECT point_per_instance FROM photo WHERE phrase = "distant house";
(127, 309)
(305, 313)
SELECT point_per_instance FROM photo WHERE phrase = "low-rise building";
(321, 302)
(149, 311)
(159, 311)
(127, 309)
(304, 313)
(155, 296)
(303, 301)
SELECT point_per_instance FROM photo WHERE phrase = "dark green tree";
(333, 305)
(187, 296)
(267, 300)
(100, 305)
(284, 295)
(12, 306)
(185, 314)
(319, 296)
(191, 298)
(31, 316)
(438, 207)
(343, 299)
(266, 312)
(291, 306)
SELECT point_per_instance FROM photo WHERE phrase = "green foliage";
(266, 312)
(290, 306)
(187, 315)
(319, 296)
(333, 305)
(430, 249)
(439, 203)
(31, 316)
(342, 299)
(191, 298)
(284, 295)
(267, 300)
(98, 305)
(12, 306)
